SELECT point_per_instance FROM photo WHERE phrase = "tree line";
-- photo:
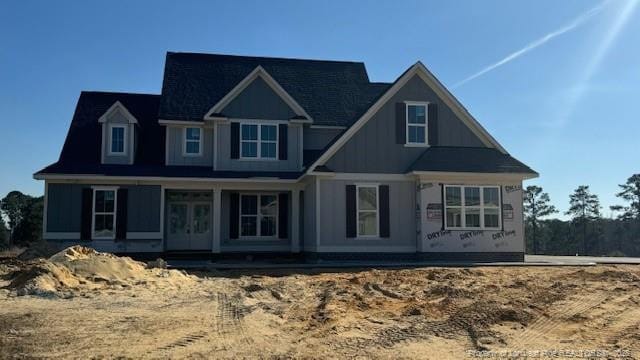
(20, 219)
(587, 232)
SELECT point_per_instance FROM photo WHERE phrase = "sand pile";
(80, 268)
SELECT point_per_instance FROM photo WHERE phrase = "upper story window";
(416, 123)
(192, 141)
(118, 136)
(472, 207)
(367, 207)
(258, 141)
(104, 213)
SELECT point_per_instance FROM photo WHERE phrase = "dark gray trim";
(87, 213)
(383, 192)
(351, 215)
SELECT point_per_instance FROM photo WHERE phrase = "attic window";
(118, 136)
(416, 123)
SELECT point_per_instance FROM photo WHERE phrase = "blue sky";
(565, 101)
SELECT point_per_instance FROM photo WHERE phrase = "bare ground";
(433, 313)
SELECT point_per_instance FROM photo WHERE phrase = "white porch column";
(217, 219)
(295, 221)
(422, 221)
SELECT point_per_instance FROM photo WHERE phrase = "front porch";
(234, 218)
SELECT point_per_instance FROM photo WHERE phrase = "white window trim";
(258, 217)
(125, 135)
(463, 208)
(425, 126)
(377, 211)
(93, 212)
(259, 141)
(184, 141)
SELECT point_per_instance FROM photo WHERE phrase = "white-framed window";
(417, 118)
(258, 141)
(258, 215)
(117, 139)
(103, 221)
(472, 207)
(192, 141)
(367, 206)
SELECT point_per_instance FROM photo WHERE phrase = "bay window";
(472, 207)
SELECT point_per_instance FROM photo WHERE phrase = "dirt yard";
(81, 304)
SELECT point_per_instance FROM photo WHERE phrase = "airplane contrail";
(534, 44)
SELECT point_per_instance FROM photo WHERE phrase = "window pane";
(249, 132)
(201, 219)
(491, 218)
(414, 134)
(367, 198)
(248, 225)
(472, 218)
(367, 225)
(416, 114)
(268, 150)
(249, 149)
(193, 133)
(117, 139)
(454, 218)
(193, 147)
(268, 205)
(268, 133)
(453, 196)
(249, 205)
(268, 226)
(103, 226)
(491, 197)
(104, 201)
(471, 196)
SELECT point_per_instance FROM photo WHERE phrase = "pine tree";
(584, 208)
(536, 206)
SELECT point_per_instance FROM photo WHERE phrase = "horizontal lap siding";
(64, 208)
(293, 162)
(175, 147)
(402, 205)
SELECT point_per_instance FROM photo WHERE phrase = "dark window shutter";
(383, 192)
(234, 215)
(442, 200)
(401, 123)
(432, 118)
(85, 216)
(351, 211)
(121, 215)
(235, 140)
(283, 215)
(283, 141)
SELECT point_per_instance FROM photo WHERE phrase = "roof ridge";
(262, 57)
(116, 93)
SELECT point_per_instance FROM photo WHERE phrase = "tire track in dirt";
(229, 318)
(556, 318)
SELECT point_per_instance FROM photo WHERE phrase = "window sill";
(417, 145)
(256, 159)
(259, 238)
(191, 155)
(116, 154)
(473, 229)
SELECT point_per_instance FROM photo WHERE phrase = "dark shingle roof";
(82, 144)
(468, 159)
(332, 92)
(161, 171)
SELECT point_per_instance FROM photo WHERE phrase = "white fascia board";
(451, 176)
(118, 105)
(259, 71)
(419, 69)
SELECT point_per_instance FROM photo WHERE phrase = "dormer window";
(118, 135)
(192, 141)
(416, 123)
